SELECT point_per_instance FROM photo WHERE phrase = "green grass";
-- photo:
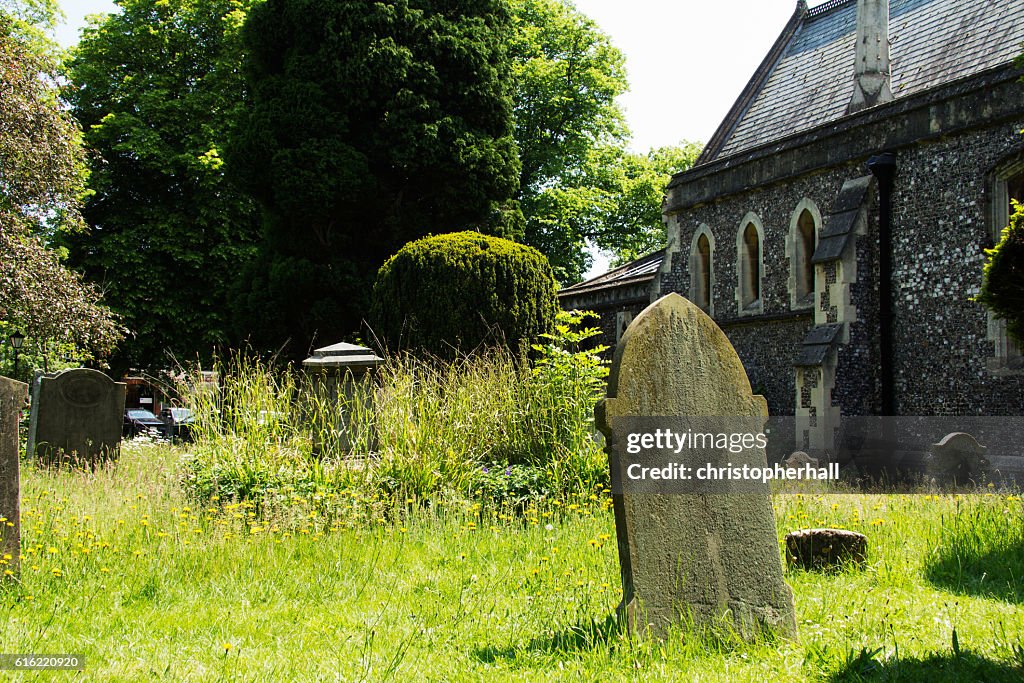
(149, 587)
(434, 428)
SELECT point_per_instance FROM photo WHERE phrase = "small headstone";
(694, 556)
(825, 548)
(957, 459)
(337, 373)
(799, 459)
(13, 398)
(77, 416)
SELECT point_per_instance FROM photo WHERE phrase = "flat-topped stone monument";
(13, 397)
(337, 373)
(77, 415)
(699, 556)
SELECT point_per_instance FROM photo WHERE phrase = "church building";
(835, 225)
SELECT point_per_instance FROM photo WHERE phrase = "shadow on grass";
(994, 570)
(581, 637)
(938, 668)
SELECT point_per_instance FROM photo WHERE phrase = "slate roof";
(807, 78)
(635, 272)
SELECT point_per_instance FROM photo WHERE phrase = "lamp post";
(17, 339)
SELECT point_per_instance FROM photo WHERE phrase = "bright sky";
(686, 60)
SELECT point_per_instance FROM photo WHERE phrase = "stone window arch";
(804, 226)
(1005, 185)
(750, 266)
(702, 270)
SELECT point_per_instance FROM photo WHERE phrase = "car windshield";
(180, 414)
(141, 415)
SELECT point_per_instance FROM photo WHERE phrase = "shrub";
(453, 292)
(1003, 288)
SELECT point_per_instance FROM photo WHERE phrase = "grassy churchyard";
(122, 567)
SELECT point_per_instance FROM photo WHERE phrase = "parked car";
(141, 421)
(178, 422)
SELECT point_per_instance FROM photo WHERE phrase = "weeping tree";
(42, 177)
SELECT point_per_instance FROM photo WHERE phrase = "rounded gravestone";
(698, 556)
(77, 415)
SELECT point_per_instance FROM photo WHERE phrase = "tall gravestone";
(13, 397)
(77, 415)
(700, 556)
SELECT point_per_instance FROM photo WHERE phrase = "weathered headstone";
(798, 459)
(957, 458)
(825, 548)
(77, 415)
(696, 556)
(13, 397)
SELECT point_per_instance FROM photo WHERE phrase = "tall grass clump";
(246, 433)
(492, 426)
(980, 548)
(568, 380)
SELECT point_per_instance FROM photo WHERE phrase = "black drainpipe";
(883, 167)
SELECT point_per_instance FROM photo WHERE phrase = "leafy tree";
(1002, 289)
(579, 186)
(566, 76)
(614, 205)
(633, 227)
(32, 23)
(41, 177)
(155, 87)
(369, 125)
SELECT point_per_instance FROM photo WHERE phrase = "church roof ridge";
(806, 80)
(826, 7)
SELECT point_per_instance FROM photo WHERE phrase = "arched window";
(702, 270)
(750, 265)
(803, 239)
